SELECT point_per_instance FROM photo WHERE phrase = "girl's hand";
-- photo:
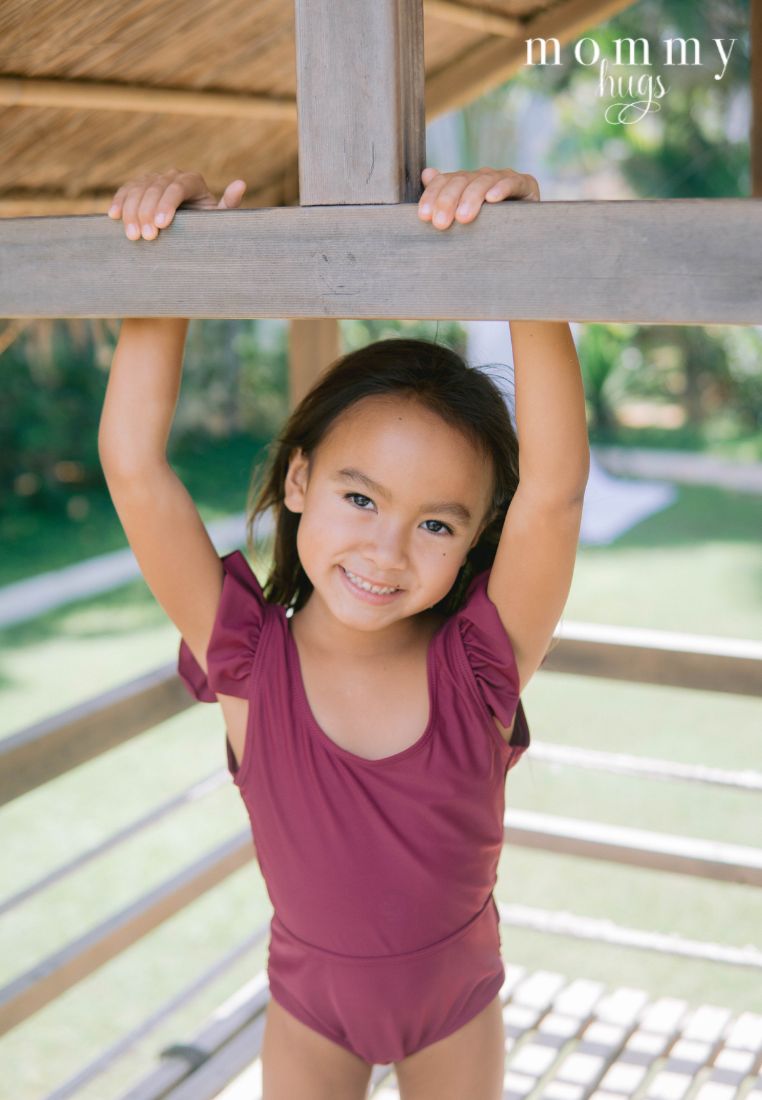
(151, 200)
(461, 194)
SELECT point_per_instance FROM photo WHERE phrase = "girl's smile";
(354, 584)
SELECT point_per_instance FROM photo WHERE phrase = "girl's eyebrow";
(452, 507)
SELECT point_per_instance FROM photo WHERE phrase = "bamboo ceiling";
(94, 93)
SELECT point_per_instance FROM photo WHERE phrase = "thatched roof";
(94, 93)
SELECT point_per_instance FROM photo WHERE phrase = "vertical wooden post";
(360, 101)
(362, 128)
(313, 343)
(755, 46)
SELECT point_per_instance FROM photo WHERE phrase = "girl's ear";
(295, 482)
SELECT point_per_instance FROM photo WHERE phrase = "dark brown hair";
(442, 381)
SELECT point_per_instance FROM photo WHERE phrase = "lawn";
(694, 567)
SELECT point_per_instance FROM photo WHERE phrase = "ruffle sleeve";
(235, 635)
(490, 658)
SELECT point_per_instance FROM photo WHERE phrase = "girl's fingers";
(155, 192)
(232, 195)
(431, 199)
(461, 195)
(172, 196)
(115, 210)
(446, 198)
(130, 208)
(517, 185)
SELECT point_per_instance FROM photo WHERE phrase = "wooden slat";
(201, 789)
(603, 931)
(681, 855)
(235, 960)
(84, 95)
(670, 658)
(63, 741)
(475, 19)
(360, 94)
(494, 60)
(313, 344)
(233, 1032)
(51, 977)
(681, 261)
(57, 744)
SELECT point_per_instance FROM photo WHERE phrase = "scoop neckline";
(339, 750)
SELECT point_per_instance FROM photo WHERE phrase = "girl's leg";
(299, 1063)
(468, 1063)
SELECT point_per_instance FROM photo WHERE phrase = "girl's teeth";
(368, 587)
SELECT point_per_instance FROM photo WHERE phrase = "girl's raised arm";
(532, 572)
(531, 576)
(176, 556)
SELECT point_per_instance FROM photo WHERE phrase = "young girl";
(427, 563)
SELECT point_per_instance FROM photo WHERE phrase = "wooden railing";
(52, 747)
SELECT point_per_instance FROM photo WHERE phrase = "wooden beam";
(666, 657)
(680, 855)
(63, 741)
(475, 19)
(672, 261)
(360, 92)
(66, 966)
(313, 343)
(755, 44)
(84, 95)
(492, 62)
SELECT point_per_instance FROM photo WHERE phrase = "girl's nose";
(388, 554)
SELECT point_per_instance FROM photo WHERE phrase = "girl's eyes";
(447, 528)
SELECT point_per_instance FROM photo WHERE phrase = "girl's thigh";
(299, 1062)
(470, 1062)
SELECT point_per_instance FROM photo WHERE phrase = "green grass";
(695, 567)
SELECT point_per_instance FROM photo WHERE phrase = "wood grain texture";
(360, 98)
(674, 261)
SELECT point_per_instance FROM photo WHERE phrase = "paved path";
(612, 506)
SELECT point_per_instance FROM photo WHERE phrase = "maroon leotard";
(385, 934)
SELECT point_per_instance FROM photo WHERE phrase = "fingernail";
(440, 218)
(148, 230)
(425, 209)
(113, 208)
(160, 219)
(493, 192)
(463, 208)
(132, 230)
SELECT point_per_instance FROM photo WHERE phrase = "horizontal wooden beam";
(59, 971)
(43, 751)
(90, 95)
(63, 741)
(679, 855)
(672, 261)
(475, 19)
(492, 61)
(701, 662)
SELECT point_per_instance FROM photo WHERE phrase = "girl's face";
(397, 497)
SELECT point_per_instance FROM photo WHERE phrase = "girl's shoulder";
(241, 614)
(479, 646)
